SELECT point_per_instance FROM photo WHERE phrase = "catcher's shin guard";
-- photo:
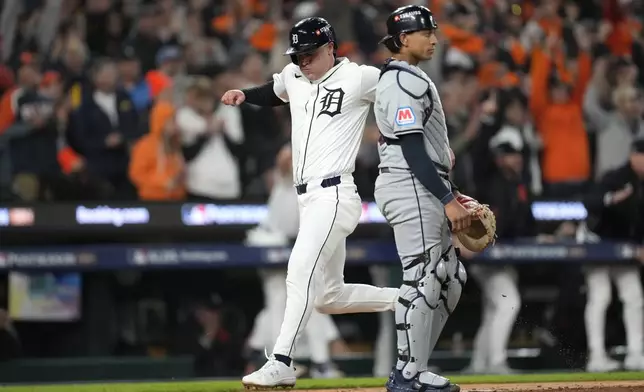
(451, 291)
(420, 295)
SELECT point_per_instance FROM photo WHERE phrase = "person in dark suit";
(103, 127)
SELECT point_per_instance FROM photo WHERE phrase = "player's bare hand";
(459, 216)
(233, 97)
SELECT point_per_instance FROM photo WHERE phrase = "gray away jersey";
(402, 106)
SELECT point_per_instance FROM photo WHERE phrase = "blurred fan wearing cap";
(507, 148)
(215, 349)
(28, 78)
(169, 62)
(32, 135)
(509, 198)
(132, 81)
(616, 208)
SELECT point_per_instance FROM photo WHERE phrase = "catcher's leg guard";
(420, 294)
(451, 290)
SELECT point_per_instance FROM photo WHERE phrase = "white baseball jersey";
(328, 117)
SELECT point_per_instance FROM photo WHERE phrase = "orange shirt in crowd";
(8, 107)
(566, 155)
(517, 51)
(68, 159)
(620, 40)
(262, 39)
(551, 26)
(153, 169)
(495, 74)
(463, 40)
(158, 81)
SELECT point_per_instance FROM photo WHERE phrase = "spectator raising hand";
(157, 168)
(556, 105)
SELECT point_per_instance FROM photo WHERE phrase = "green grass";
(345, 383)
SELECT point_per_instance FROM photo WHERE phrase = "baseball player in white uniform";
(415, 195)
(615, 206)
(500, 296)
(279, 229)
(329, 102)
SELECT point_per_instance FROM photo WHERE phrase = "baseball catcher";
(415, 195)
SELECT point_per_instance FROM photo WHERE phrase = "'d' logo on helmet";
(294, 39)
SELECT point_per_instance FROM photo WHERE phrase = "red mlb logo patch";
(405, 116)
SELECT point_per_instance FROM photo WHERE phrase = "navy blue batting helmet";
(308, 35)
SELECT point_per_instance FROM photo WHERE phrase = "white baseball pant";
(319, 332)
(629, 288)
(501, 304)
(383, 360)
(315, 276)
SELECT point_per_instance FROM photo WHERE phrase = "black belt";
(301, 189)
(443, 176)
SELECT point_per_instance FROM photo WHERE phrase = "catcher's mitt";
(482, 232)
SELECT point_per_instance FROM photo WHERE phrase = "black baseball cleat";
(398, 383)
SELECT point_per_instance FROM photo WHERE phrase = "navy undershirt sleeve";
(421, 165)
(263, 95)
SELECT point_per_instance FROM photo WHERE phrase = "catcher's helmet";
(407, 19)
(309, 34)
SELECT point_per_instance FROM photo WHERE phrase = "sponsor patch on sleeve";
(405, 116)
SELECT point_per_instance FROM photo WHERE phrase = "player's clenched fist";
(233, 97)
(459, 216)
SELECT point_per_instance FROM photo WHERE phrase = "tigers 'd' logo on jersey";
(332, 102)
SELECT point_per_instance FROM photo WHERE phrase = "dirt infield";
(595, 386)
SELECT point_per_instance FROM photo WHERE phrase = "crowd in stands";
(119, 99)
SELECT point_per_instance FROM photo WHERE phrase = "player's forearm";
(455, 188)
(263, 95)
(422, 167)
